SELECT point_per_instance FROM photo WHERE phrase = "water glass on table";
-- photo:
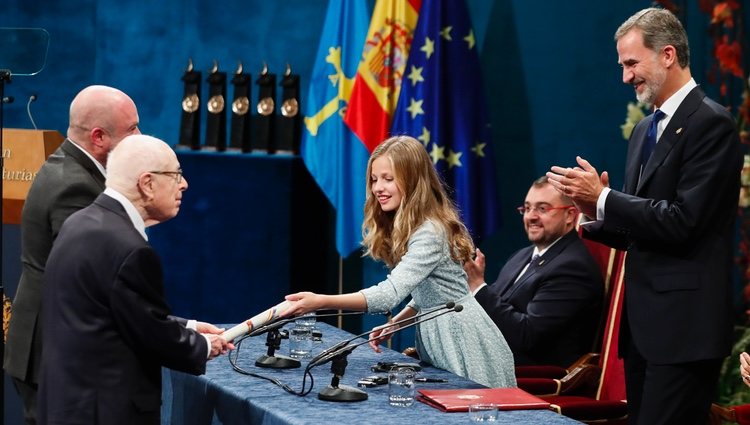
(483, 412)
(301, 337)
(401, 386)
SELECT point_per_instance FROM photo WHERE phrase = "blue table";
(223, 396)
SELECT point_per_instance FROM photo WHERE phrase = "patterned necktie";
(650, 143)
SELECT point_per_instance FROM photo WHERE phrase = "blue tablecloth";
(224, 396)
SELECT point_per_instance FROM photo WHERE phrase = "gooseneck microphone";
(273, 342)
(340, 393)
(32, 98)
(329, 354)
(281, 322)
(315, 361)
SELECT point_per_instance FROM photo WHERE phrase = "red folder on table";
(459, 400)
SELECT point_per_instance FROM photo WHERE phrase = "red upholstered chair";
(607, 258)
(733, 414)
(606, 405)
(591, 390)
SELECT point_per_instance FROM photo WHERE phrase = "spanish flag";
(381, 70)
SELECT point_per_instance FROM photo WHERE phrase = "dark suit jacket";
(677, 225)
(550, 316)
(67, 182)
(106, 327)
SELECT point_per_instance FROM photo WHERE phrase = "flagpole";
(341, 288)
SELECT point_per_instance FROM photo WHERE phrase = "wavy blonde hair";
(386, 233)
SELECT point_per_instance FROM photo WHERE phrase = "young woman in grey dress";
(412, 226)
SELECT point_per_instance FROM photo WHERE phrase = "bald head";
(101, 116)
(146, 171)
(133, 156)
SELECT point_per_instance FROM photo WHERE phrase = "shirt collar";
(133, 214)
(540, 253)
(669, 107)
(98, 165)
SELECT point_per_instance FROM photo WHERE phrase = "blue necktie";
(650, 143)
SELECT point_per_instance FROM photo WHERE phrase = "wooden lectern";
(24, 152)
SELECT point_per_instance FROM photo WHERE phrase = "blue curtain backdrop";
(551, 78)
(546, 68)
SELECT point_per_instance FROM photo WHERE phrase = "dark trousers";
(669, 394)
(27, 391)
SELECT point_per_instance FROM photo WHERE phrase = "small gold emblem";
(216, 104)
(190, 103)
(265, 106)
(241, 105)
(290, 108)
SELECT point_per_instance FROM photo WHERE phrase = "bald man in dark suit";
(107, 329)
(70, 179)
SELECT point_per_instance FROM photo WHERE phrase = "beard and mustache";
(652, 86)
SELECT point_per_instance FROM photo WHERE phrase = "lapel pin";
(541, 262)
(678, 131)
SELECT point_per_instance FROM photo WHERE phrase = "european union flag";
(336, 158)
(442, 104)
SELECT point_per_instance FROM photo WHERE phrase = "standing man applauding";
(675, 216)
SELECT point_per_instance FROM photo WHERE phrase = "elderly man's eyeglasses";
(176, 174)
(541, 209)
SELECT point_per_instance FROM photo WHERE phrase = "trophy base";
(342, 393)
(277, 362)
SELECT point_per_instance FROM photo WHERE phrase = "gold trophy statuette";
(190, 103)
(216, 104)
(241, 105)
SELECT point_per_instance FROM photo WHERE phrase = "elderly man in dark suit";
(675, 216)
(548, 308)
(70, 179)
(107, 329)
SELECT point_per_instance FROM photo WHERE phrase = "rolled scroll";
(256, 321)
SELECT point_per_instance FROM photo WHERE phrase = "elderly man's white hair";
(133, 156)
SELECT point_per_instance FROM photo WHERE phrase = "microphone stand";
(345, 393)
(269, 360)
(273, 342)
(336, 392)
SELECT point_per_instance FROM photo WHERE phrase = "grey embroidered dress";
(467, 343)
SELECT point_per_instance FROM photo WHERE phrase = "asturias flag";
(336, 158)
(442, 104)
(381, 72)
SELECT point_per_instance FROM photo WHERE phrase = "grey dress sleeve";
(424, 253)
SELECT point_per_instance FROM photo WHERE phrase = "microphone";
(332, 352)
(273, 342)
(281, 322)
(28, 109)
(346, 342)
(334, 392)
(8, 99)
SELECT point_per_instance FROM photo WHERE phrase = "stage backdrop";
(550, 71)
